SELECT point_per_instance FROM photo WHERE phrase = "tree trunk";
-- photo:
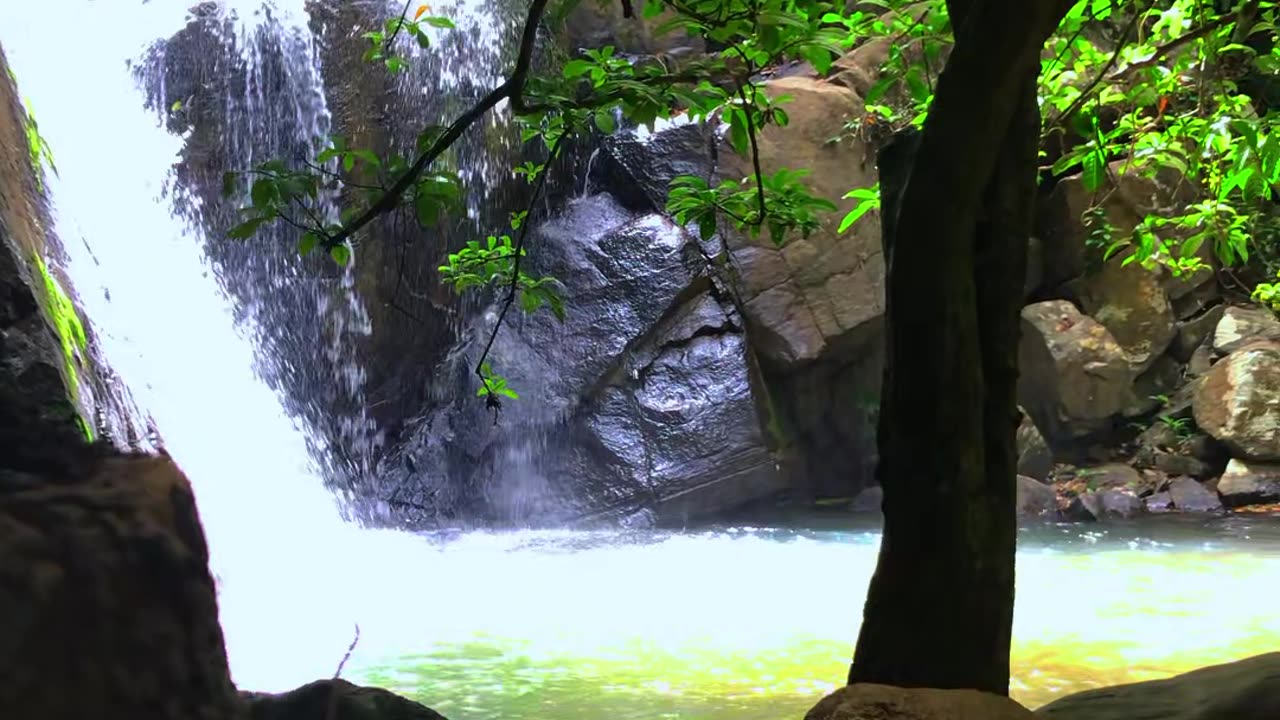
(939, 609)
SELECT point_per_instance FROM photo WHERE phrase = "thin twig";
(404, 17)
(1102, 74)
(1164, 50)
(515, 265)
(332, 713)
(326, 171)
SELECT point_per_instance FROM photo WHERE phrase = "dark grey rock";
(1104, 504)
(1178, 464)
(640, 404)
(1243, 690)
(1158, 502)
(868, 501)
(1190, 496)
(335, 700)
(1035, 499)
(1035, 459)
(638, 168)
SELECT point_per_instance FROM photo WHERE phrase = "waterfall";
(179, 324)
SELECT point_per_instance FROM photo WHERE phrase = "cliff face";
(41, 338)
(55, 389)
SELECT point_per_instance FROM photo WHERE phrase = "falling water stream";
(749, 623)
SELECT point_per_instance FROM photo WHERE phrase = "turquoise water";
(757, 623)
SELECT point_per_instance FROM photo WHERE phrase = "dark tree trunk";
(939, 610)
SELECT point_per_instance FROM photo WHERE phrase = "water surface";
(757, 623)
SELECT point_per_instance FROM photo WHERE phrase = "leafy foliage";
(1125, 88)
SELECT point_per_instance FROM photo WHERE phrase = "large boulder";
(107, 603)
(882, 702)
(1241, 326)
(816, 291)
(1249, 483)
(335, 700)
(1130, 302)
(1074, 375)
(1238, 402)
(1243, 690)
(1191, 496)
(641, 403)
(1128, 197)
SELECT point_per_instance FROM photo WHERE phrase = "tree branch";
(1164, 50)
(1080, 100)
(512, 88)
(518, 249)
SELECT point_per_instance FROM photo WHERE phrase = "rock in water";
(106, 602)
(1035, 499)
(1244, 690)
(1190, 496)
(1238, 403)
(1248, 483)
(336, 700)
(882, 702)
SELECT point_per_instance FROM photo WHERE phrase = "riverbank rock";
(107, 603)
(882, 702)
(1241, 326)
(829, 287)
(1249, 483)
(1035, 459)
(336, 700)
(1074, 375)
(1130, 302)
(1188, 495)
(1243, 690)
(1036, 499)
(1238, 402)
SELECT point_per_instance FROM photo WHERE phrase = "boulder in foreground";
(882, 702)
(336, 700)
(1244, 690)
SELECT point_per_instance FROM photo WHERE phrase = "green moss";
(71, 334)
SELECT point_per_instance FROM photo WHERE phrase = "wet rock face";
(108, 605)
(1238, 402)
(642, 402)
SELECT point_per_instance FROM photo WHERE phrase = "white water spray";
(290, 572)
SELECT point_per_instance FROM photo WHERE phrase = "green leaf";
(1095, 171)
(246, 229)
(307, 243)
(443, 23)
(604, 120)
(427, 209)
(577, 68)
(341, 254)
(264, 193)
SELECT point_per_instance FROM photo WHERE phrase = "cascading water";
(291, 573)
(743, 623)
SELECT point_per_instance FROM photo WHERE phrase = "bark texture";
(939, 610)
